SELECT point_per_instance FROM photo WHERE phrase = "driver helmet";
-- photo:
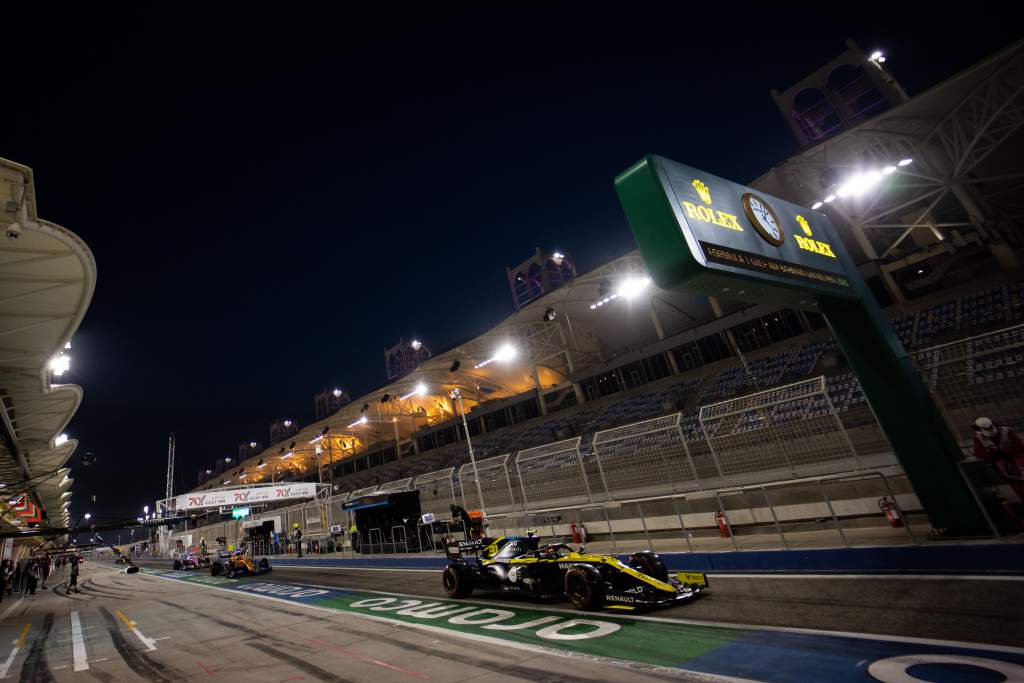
(986, 426)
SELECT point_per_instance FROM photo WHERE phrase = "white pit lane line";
(78, 644)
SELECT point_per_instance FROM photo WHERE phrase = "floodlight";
(816, 205)
(632, 287)
(905, 162)
(60, 440)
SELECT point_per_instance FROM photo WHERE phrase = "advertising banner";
(249, 496)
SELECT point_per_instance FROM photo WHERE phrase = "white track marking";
(77, 643)
(17, 642)
(148, 642)
(676, 673)
(10, 609)
(695, 622)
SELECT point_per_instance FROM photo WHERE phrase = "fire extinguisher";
(892, 514)
(577, 538)
(723, 525)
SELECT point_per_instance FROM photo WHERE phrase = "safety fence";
(783, 434)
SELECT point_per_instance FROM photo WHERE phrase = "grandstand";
(631, 391)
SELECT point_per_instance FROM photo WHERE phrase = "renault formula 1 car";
(238, 563)
(519, 564)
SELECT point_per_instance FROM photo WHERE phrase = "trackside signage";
(245, 497)
(733, 653)
(725, 239)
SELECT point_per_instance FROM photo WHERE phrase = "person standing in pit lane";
(1001, 446)
(34, 572)
(16, 578)
(73, 581)
(5, 577)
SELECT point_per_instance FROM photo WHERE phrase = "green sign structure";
(703, 233)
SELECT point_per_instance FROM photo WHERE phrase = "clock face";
(763, 218)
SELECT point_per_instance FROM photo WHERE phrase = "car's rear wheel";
(649, 563)
(216, 569)
(458, 581)
(584, 588)
(177, 565)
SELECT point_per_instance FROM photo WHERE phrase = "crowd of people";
(24, 577)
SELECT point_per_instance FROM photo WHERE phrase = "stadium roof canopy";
(965, 141)
(526, 352)
(47, 277)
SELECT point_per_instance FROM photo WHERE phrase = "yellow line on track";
(21, 639)
(127, 622)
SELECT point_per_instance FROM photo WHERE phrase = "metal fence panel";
(553, 474)
(650, 456)
(979, 376)
(437, 492)
(495, 484)
(779, 433)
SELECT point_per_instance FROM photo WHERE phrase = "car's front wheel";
(458, 581)
(584, 588)
(649, 563)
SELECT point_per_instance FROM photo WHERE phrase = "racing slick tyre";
(216, 569)
(458, 581)
(177, 565)
(649, 563)
(584, 587)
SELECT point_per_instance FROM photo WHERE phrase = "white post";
(456, 394)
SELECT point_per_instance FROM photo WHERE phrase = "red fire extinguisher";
(723, 525)
(577, 537)
(892, 514)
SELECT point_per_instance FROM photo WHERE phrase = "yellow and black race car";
(519, 564)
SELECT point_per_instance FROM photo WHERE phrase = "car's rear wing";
(456, 550)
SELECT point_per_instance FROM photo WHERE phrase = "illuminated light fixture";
(60, 365)
(816, 205)
(67, 345)
(287, 423)
(632, 287)
(829, 199)
(261, 464)
(859, 184)
(88, 515)
(558, 257)
(246, 474)
(60, 440)
(394, 419)
(317, 439)
(876, 55)
(145, 508)
(209, 471)
(66, 494)
(337, 393)
(505, 352)
(360, 421)
(419, 390)
(905, 162)
(227, 482)
(227, 459)
(416, 344)
(253, 444)
(286, 456)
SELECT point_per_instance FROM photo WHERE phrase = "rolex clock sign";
(725, 239)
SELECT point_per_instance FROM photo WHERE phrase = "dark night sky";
(274, 196)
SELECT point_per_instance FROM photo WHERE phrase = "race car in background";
(520, 564)
(237, 563)
(193, 559)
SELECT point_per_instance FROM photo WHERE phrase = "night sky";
(274, 196)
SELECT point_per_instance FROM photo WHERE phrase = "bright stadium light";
(888, 170)
(505, 353)
(829, 199)
(416, 344)
(60, 364)
(858, 184)
(905, 162)
(288, 455)
(816, 205)
(60, 440)
(337, 393)
(419, 390)
(361, 421)
(227, 459)
(287, 423)
(252, 444)
(88, 515)
(227, 482)
(632, 287)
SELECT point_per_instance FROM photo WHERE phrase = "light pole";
(457, 396)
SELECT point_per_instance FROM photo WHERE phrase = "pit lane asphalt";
(960, 609)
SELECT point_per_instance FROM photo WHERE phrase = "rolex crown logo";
(804, 225)
(703, 191)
